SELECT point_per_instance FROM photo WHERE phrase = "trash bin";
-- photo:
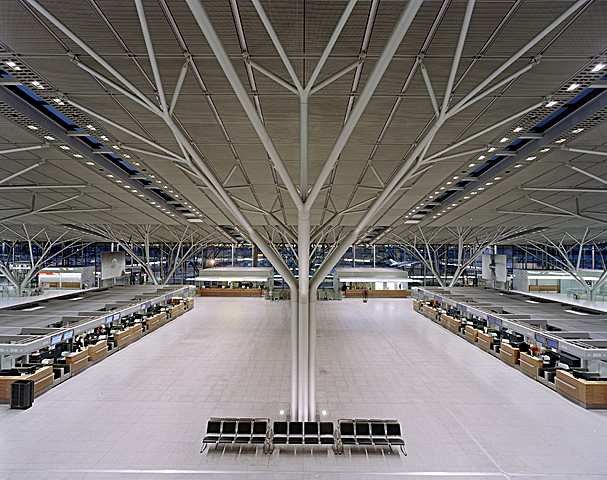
(22, 394)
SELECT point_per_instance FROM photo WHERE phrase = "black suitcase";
(22, 394)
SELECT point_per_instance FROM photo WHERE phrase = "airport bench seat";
(303, 433)
(236, 431)
(369, 433)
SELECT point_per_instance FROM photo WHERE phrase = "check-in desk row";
(56, 364)
(587, 392)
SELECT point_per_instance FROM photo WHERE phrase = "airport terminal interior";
(303, 239)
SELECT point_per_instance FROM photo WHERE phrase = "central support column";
(303, 252)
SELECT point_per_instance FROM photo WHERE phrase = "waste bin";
(22, 394)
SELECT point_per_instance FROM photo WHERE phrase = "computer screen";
(108, 320)
(55, 339)
(116, 317)
(68, 335)
(552, 343)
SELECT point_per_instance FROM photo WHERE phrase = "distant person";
(365, 295)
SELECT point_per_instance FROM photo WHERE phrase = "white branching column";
(303, 289)
(41, 250)
(565, 254)
(432, 249)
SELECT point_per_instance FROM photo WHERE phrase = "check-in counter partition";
(588, 393)
(509, 354)
(77, 361)
(471, 333)
(98, 351)
(42, 378)
(451, 323)
(530, 365)
(484, 340)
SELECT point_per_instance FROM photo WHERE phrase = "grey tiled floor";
(140, 413)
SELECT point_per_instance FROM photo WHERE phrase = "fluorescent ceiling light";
(32, 127)
(518, 129)
(577, 130)
(470, 165)
(573, 86)
(31, 309)
(518, 165)
(576, 312)
(90, 127)
(561, 140)
(38, 85)
(551, 103)
(503, 139)
(530, 158)
(49, 138)
(90, 163)
(544, 150)
(598, 67)
(492, 149)
(481, 157)
(64, 147)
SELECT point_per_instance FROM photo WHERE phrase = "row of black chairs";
(258, 432)
(370, 432)
(241, 431)
(303, 433)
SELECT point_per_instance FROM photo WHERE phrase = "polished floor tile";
(142, 412)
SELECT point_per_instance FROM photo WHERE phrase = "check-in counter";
(451, 323)
(98, 351)
(128, 335)
(530, 365)
(429, 312)
(588, 393)
(42, 378)
(509, 354)
(484, 340)
(471, 333)
(77, 361)
(156, 321)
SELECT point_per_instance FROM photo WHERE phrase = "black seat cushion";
(311, 428)
(346, 428)
(378, 429)
(244, 428)
(396, 441)
(295, 428)
(260, 428)
(393, 429)
(280, 440)
(213, 427)
(362, 429)
(210, 439)
(280, 428)
(295, 440)
(228, 428)
(258, 439)
(348, 440)
(327, 440)
(380, 441)
(312, 440)
(326, 428)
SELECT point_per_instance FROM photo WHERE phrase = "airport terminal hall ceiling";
(378, 117)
